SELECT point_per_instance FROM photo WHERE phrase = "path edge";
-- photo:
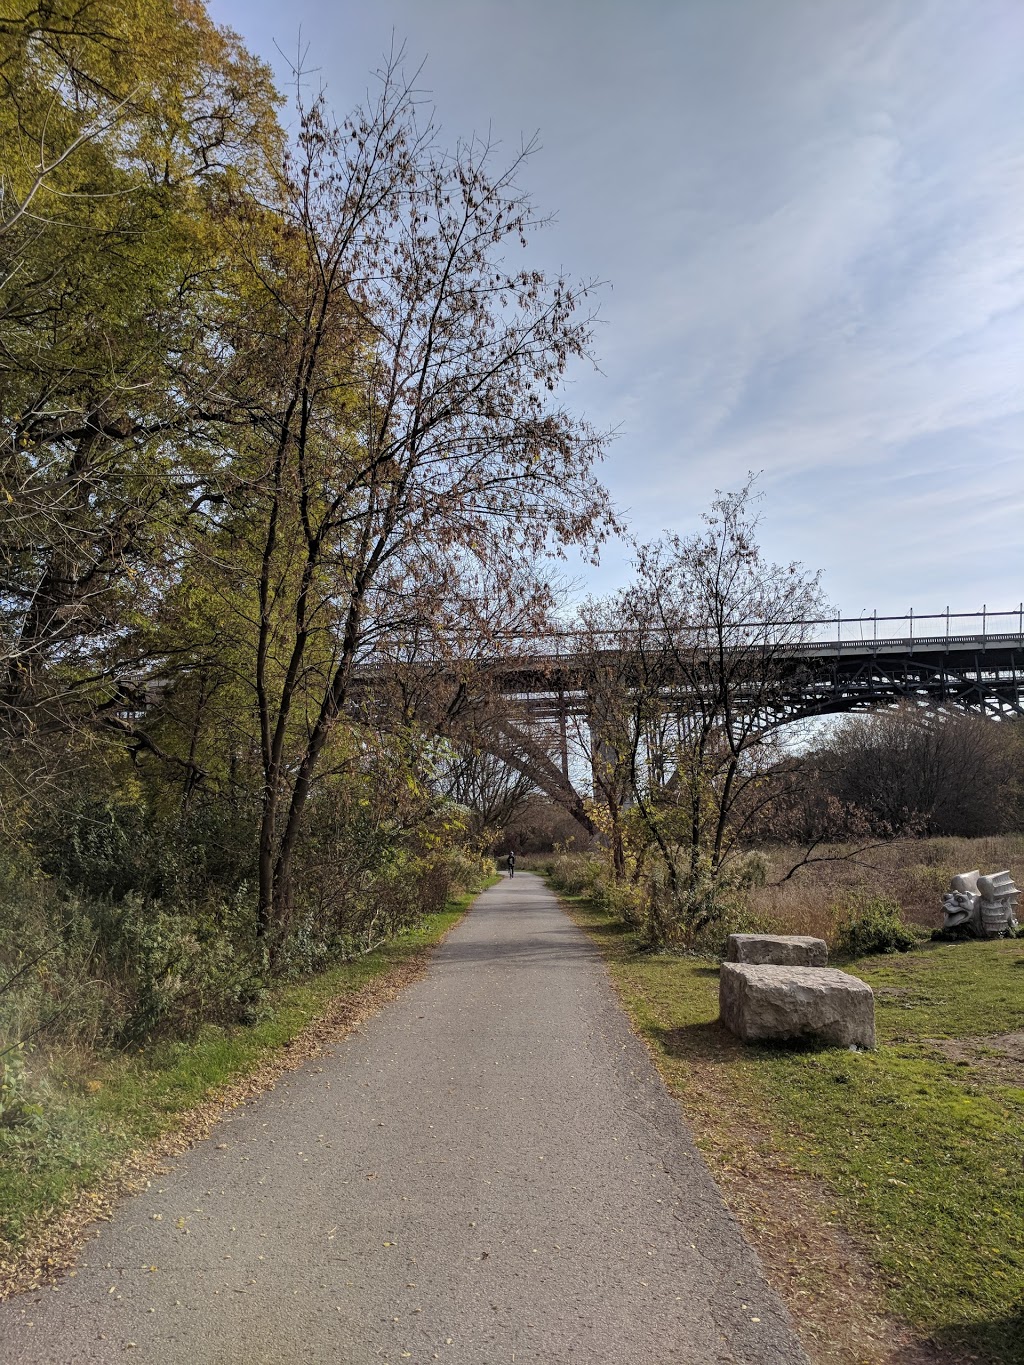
(54, 1243)
(898, 1342)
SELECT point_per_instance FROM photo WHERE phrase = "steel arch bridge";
(973, 662)
(979, 669)
(544, 689)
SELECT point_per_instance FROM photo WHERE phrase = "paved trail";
(488, 1172)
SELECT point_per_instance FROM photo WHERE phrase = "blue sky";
(810, 214)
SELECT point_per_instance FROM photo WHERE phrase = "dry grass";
(914, 872)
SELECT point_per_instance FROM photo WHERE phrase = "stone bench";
(780, 950)
(771, 1002)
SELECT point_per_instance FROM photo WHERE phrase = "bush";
(341, 918)
(695, 920)
(873, 924)
(97, 971)
(749, 871)
(48, 987)
(580, 874)
(16, 1107)
(574, 874)
(174, 968)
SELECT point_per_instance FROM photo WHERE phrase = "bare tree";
(405, 441)
(920, 770)
(487, 787)
(688, 709)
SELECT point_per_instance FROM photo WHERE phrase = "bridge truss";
(978, 670)
(545, 725)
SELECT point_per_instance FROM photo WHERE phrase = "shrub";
(98, 970)
(623, 899)
(579, 874)
(174, 968)
(17, 1109)
(574, 874)
(873, 924)
(750, 870)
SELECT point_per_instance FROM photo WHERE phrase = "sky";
(809, 215)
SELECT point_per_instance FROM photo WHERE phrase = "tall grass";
(817, 899)
(912, 872)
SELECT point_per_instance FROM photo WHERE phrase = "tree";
(918, 770)
(488, 788)
(696, 652)
(404, 456)
(126, 132)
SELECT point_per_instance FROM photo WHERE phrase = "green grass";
(921, 1157)
(94, 1117)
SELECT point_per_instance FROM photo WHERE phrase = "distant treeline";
(906, 770)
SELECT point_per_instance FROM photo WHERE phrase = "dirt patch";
(998, 1057)
(55, 1243)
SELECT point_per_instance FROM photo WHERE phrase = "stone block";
(778, 950)
(764, 1002)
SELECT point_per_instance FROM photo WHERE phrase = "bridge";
(971, 661)
(538, 712)
(974, 661)
(534, 687)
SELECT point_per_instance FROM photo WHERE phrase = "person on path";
(511, 864)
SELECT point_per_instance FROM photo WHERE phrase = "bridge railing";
(947, 625)
(822, 634)
(836, 634)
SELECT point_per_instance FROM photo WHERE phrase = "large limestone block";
(760, 1002)
(781, 950)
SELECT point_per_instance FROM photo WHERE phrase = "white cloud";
(811, 217)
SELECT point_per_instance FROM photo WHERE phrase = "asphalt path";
(490, 1170)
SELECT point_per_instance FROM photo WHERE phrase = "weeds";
(873, 924)
(895, 899)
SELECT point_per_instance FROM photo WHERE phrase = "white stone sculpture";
(980, 907)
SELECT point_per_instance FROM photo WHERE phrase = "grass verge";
(876, 1186)
(108, 1122)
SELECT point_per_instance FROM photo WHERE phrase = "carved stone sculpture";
(980, 907)
(998, 904)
